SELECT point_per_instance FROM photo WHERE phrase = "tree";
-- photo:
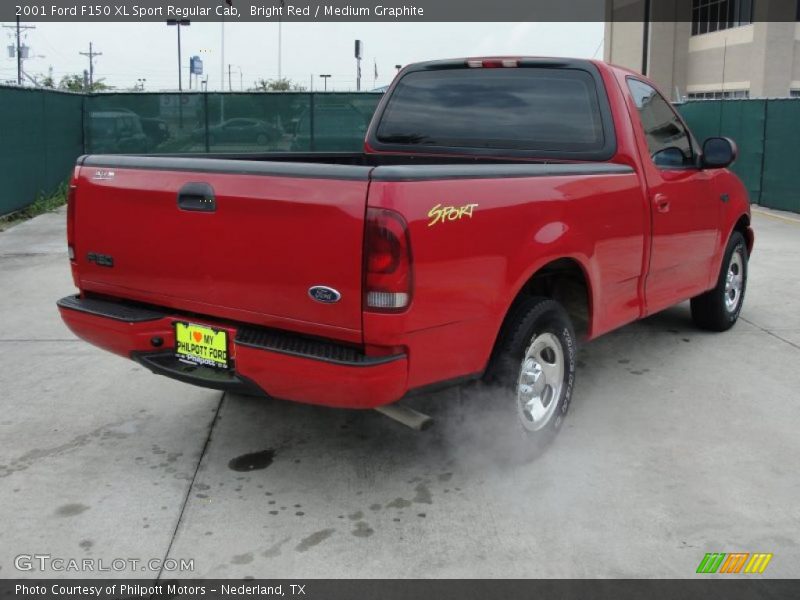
(278, 85)
(46, 81)
(74, 83)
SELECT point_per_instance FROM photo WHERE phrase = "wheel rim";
(734, 282)
(541, 380)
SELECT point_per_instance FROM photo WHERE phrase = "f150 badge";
(324, 294)
(103, 175)
(440, 214)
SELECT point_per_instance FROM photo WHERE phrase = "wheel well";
(743, 227)
(562, 280)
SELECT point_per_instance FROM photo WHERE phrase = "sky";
(132, 51)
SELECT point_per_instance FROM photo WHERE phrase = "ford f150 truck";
(502, 209)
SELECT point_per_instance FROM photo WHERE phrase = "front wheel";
(533, 371)
(718, 309)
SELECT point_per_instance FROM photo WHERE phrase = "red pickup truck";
(502, 209)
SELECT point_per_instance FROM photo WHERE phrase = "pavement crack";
(773, 334)
(191, 485)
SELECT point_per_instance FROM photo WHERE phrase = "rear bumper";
(274, 363)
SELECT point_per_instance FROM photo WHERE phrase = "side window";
(667, 140)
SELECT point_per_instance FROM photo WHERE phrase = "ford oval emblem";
(324, 294)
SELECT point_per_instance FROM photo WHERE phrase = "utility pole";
(91, 54)
(19, 57)
(19, 28)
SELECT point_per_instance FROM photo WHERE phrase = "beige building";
(712, 48)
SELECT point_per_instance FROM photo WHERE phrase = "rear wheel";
(718, 309)
(533, 372)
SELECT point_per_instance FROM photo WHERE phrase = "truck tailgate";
(241, 240)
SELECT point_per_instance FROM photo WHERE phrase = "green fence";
(45, 131)
(768, 135)
(42, 135)
(233, 122)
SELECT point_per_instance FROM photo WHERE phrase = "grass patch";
(44, 203)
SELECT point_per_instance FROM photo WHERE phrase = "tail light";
(71, 220)
(387, 262)
(492, 63)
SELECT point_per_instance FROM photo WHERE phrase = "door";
(685, 213)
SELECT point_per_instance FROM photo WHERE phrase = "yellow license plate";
(201, 345)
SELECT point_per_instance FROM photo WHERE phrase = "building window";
(794, 93)
(716, 15)
(726, 95)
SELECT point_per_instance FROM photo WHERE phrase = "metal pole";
(312, 144)
(19, 56)
(280, 39)
(180, 60)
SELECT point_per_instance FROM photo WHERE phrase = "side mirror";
(719, 152)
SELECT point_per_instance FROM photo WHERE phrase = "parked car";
(502, 210)
(116, 131)
(239, 131)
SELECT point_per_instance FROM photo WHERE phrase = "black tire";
(533, 321)
(718, 309)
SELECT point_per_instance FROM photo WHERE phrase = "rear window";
(529, 109)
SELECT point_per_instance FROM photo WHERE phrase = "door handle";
(197, 196)
(662, 203)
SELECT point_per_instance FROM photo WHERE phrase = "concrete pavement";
(678, 443)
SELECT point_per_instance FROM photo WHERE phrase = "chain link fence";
(767, 133)
(231, 122)
(42, 135)
(44, 131)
